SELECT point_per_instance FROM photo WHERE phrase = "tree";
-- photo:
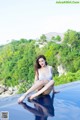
(53, 38)
(43, 38)
(58, 38)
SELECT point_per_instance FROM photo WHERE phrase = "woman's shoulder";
(39, 69)
(50, 66)
(51, 69)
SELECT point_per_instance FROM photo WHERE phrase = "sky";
(30, 19)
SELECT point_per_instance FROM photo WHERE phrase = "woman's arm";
(36, 76)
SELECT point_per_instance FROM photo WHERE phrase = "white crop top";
(45, 73)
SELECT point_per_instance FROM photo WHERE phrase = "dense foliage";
(17, 60)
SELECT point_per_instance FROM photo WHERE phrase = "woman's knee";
(44, 82)
(52, 82)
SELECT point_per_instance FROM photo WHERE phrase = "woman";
(43, 79)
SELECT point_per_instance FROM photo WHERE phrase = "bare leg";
(46, 87)
(37, 85)
(49, 90)
(46, 92)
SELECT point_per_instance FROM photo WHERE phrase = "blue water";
(64, 105)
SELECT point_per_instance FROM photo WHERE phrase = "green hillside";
(17, 59)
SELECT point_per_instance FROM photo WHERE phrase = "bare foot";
(21, 99)
(32, 97)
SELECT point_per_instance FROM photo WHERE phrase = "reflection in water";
(43, 107)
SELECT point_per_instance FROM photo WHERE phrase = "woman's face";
(41, 62)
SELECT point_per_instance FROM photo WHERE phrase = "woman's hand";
(21, 99)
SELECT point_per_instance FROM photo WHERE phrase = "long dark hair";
(37, 66)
